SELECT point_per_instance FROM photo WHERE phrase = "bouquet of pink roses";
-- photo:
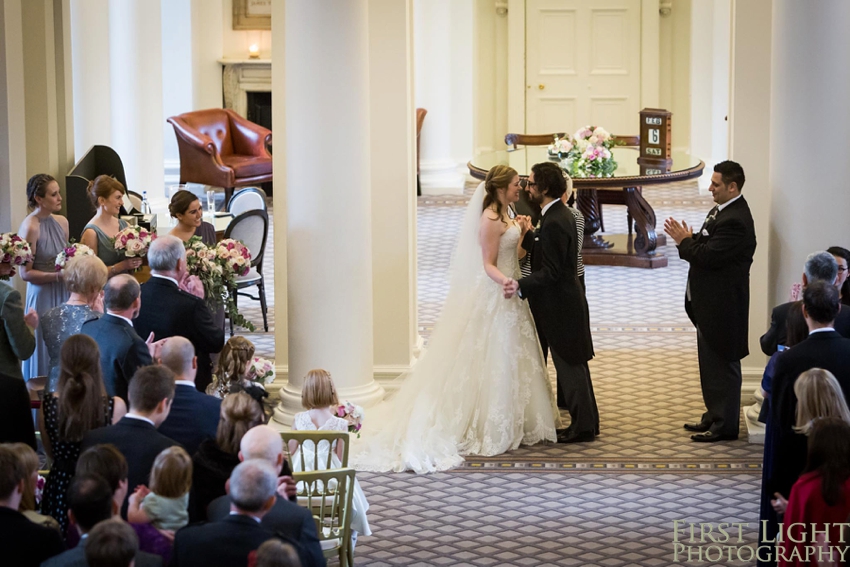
(261, 371)
(14, 249)
(134, 241)
(353, 414)
(71, 250)
(233, 256)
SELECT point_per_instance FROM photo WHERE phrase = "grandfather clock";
(655, 153)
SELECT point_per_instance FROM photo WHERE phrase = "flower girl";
(318, 396)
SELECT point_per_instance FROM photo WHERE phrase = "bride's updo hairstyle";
(318, 391)
(499, 177)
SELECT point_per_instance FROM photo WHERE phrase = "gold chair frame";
(299, 437)
(328, 496)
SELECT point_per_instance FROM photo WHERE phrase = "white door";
(582, 65)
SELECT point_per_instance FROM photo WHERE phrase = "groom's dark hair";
(549, 179)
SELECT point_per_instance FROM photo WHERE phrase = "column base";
(366, 395)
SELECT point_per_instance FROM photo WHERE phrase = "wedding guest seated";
(107, 462)
(107, 196)
(842, 256)
(112, 544)
(135, 435)
(122, 350)
(216, 458)
(820, 266)
(84, 278)
(274, 553)
(25, 543)
(796, 331)
(228, 542)
(167, 311)
(194, 416)
(28, 505)
(90, 502)
(187, 209)
(286, 519)
(820, 499)
(79, 405)
(232, 373)
(16, 424)
(17, 333)
(165, 504)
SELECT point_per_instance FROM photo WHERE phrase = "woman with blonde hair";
(231, 374)
(481, 388)
(85, 277)
(216, 458)
(29, 459)
(819, 395)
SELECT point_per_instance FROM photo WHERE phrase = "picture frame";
(252, 14)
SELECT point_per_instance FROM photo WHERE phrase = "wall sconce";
(665, 7)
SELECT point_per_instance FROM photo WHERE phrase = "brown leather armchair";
(220, 148)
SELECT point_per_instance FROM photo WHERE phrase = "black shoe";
(564, 431)
(576, 437)
(712, 437)
(700, 427)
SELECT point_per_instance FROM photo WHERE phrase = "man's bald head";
(262, 442)
(121, 294)
(178, 355)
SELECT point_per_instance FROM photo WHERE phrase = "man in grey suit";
(17, 339)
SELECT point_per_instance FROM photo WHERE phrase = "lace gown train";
(480, 389)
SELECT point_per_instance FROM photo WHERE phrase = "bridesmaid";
(186, 208)
(47, 232)
(107, 194)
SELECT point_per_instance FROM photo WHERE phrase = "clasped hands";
(678, 231)
(524, 223)
(510, 287)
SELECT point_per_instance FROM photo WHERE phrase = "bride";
(482, 387)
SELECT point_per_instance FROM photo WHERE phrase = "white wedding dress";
(481, 388)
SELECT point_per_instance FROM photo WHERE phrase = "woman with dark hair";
(47, 232)
(187, 209)
(107, 195)
(842, 256)
(79, 405)
(821, 496)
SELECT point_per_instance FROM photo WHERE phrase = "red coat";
(806, 506)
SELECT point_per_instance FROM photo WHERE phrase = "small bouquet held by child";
(261, 371)
(14, 250)
(353, 414)
(134, 241)
(72, 250)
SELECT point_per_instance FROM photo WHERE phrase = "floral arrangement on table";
(217, 268)
(353, 414)
(14, 250)
(588, 153)
(561, 147)
(261, 371)
(72, 250)
(134, 241)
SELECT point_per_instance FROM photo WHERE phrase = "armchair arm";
(248, 138)
(200, 161)
(191, 136)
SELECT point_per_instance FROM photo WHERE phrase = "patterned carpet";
(611, 502)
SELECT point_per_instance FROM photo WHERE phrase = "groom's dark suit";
(560, 311)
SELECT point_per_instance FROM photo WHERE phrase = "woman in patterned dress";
(79, 405)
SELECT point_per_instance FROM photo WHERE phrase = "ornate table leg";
(588, 204)
(644, 219)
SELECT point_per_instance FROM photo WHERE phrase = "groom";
(557, 300)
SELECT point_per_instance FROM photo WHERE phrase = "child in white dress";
(166, 503)
(318, 396)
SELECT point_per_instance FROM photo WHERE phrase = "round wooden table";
(624, 187)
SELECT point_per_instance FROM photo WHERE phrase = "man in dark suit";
(25, 543)
(228, 542)
(194, 416)
(820, 266)
(717, 299)
(90, 503)
(122, 350)
(168, 311)
(558, 302)
(286, 519)
(16, 425)
(17, 338)
(135, 435)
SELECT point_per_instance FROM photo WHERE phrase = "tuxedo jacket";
(287, 520)
(827, 350)
(17, 340)
(777, 333)
(122, 352)
(77, 558)
(720, 255)
(553, 289)
(25, 543)
(193, 417)
(167, 311)
(138, 441)
(219, 544)
(16, 425)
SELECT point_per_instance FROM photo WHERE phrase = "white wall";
(491, 76)
(177, 85)
(675, 71)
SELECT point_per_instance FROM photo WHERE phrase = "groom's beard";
(536, 199)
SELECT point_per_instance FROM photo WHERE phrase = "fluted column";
(328, 198)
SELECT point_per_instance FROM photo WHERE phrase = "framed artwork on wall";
(252, 14)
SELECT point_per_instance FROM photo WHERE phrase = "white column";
(443, 53)
(13, 156)
(177, 88)
(135, 41)
(328, 195)
(393, 171)
(91, 78)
